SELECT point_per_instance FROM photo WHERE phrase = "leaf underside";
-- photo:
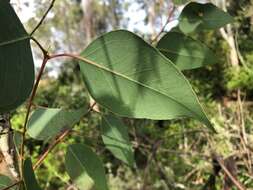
(133, 79)
(85, 168)
(116, 139)
(198, 16)
(46, 123)
(185, 52)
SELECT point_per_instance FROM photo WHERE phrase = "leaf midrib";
(137, 82)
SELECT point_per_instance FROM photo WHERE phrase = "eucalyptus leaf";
(6, 182)
(185, 52)
(16, 61)
(29, 176)
(85, 168)
(197, 16)
(116, 139)
(133, 79)
(17, 140)
(46, 123)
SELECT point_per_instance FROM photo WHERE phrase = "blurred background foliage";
(169, 154)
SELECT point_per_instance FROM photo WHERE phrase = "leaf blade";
(84, 167)
(185, 52)
(29, 176)
(16, 61)
(133, 79)
(116, 139)
(197, 16)
(46, 123)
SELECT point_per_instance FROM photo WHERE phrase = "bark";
(228, 35)
(8, 155)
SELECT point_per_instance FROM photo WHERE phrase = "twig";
(29, 108)
(50, 148)
(232, 178)
(12, 185)
(43, 17)
(164, 26)
(56, 142)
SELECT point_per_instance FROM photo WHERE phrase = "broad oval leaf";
(16, 61)
(116, 139)
(197, 16)
(185, 52)
(29, 176)
(46, 123)
(85, 168)
(133, 79)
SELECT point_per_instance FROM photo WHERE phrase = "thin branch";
(232, 178)
(29, 108)
(12, 185)
(50, 148)
(56, 142)
(164, 26)
(43, 17)
(44, 51)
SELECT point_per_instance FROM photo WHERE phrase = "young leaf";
(29, 176)
(197, 16)
(85, 168)
(133, 79)
(185, 52)
(16, 61)
(115, 138)
(46, 123)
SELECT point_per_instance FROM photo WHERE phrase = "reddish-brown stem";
(43, 17)
(227, 172)
(56, 142)
(35, 87)
(164, 26)
(12, 185)
(50, 148)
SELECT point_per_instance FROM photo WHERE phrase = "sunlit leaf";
(185, 52)
(29, 176)
(46, 123)
(16, 61)
(133, 79)
(116, 139)
(85, 168)
(197, 16)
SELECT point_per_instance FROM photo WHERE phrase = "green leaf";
(5, 182)
(46, 123)
(17, 140)
(133, 79)
(29, 176)
(197, 16)
(16, 61)
(180, 2)
(85, 168)
(185, 52)
(116, 139)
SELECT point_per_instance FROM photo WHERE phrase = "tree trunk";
(8, 156)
